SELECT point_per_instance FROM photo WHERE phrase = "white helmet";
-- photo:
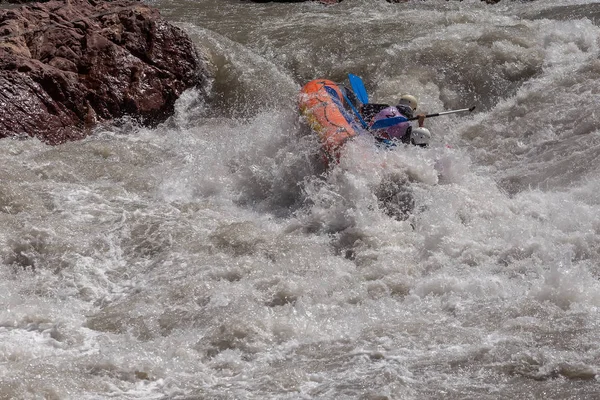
(409, 100)
(420, 136)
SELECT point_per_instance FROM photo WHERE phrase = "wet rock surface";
(66, 66)
(296, 1)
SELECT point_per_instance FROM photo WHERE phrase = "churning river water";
(214, 257)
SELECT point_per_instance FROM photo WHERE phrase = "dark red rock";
(404, 1)
(296, 1)
(67, 65)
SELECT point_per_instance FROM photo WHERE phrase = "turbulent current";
(214, 257)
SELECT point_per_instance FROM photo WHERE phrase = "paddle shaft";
(443, 113)
(387, 122)
(355, 111)
(361, 92)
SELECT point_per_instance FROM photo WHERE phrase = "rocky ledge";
(67, 65)
(331, 1)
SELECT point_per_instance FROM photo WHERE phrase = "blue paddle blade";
(359, 88)
(386, 123)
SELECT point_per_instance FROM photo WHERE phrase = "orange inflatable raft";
(321, 104)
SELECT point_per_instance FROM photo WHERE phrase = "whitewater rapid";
(214, 257)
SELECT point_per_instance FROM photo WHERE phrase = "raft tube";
(321, 103)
